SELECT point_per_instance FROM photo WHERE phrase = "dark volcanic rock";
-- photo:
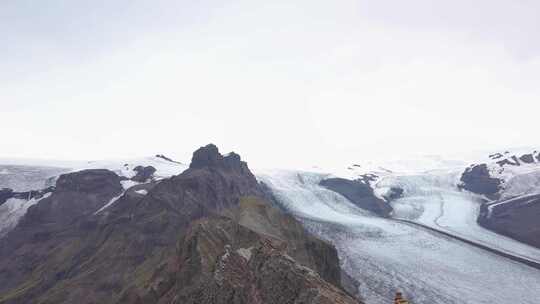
(527, 158)
(517, 218)
(76, 195)
(477, 179)
(143, 173)
(5, 194)
(512, 161)
(199, 237)
(368, 178)
(95, 181)
(207, 156)
(225, 262)
(496, 156)
(359, 194)
(393, 193)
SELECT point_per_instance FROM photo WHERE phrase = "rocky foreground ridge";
(208, 235)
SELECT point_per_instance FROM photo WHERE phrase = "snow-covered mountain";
(511, 184)
(32, 175)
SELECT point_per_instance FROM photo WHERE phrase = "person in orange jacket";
(399, 299)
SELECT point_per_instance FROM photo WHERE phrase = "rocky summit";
(208, 235)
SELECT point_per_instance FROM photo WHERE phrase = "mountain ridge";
(148, 237)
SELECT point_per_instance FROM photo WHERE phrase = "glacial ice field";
(385, 255)
(25, 178)
(433, 199)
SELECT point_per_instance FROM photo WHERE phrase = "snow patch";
(142, 191)
(527, 198)
(164, 168)
(122, 167)
(126, 184)
(13, 210)
(245, 253)
(110, 203)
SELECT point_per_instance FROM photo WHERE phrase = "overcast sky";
(283, 83)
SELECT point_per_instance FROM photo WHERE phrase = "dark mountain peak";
(209, 156)
(234, 162)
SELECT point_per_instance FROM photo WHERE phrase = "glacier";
(433, 199)
(385, 255)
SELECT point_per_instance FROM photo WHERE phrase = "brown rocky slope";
(208, 235)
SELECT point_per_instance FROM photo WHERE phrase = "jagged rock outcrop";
(225, 262)
(516, 218)
(144, 174)
(360, 194)
(7, 193)
(477, 180)
(185, 238)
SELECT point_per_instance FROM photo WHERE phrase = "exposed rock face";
(97, 181)
(517, 218)
(393, 193)
(527, 158)
(144, 174)
(477, 179)
(5, 194)
(205, 236)
(224, 262)
(44, 226)
(513, 207)
(209, 156)
(358, 193)
(368, 178)
(76, 194)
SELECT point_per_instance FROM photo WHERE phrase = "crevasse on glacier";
(385, 255)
